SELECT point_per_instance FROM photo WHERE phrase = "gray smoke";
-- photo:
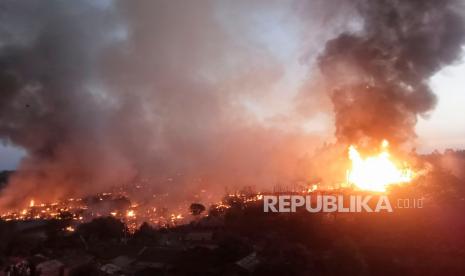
(105, 93)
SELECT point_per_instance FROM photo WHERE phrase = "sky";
(445, 127)
(284, 37)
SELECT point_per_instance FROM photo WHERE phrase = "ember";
(85, 209)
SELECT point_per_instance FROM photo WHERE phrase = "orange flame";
(375, 173)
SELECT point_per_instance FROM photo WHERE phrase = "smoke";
(107, 93)
(102, 93)
(377, 77)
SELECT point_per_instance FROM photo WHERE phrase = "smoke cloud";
(378, 76)
(107, 93)
(102, 94)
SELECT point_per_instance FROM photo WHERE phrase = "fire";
(70, 229)
(375, 173)
(31, 203)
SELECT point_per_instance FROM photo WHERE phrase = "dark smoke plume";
(378, 77)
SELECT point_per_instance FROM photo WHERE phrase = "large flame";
(375, 173)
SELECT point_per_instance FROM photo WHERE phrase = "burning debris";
(69, 209)
(133, 215)
(80, 210)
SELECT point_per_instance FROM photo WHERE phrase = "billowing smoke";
(378, 75)
(105, 93)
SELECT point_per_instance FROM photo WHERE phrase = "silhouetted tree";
(145, 234)
(196, 209)
(105, 228)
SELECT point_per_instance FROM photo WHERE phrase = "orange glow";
(375, 173)
(31, 203)
(70, 229)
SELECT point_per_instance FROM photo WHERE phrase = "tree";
(104, 228)
(196, 209)
(145, 234)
